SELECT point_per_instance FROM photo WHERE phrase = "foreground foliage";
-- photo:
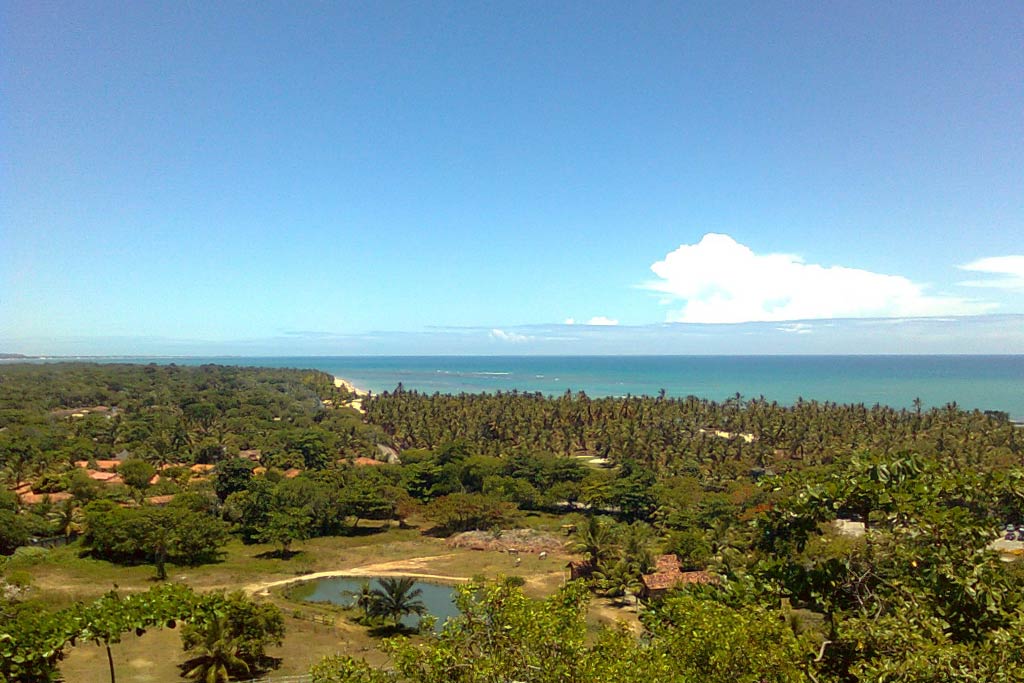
(504, 636)
(33, 642)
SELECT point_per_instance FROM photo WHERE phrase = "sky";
(530, 177)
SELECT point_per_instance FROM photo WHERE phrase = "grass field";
(61, 577)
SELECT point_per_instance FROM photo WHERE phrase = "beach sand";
(356, 403)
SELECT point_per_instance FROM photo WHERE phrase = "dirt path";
(407, 567)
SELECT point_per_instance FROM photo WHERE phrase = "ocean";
(982, 382)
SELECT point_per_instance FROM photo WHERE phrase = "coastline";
(357, 402)
(981, 382)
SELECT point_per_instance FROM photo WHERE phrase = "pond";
(339, 590)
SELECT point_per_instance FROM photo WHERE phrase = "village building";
(31, 498)
(667, 575)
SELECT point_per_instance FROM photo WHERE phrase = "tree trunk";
(161, 561)
(110, 661)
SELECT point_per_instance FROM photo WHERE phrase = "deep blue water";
(982, 382)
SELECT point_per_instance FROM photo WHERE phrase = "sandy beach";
(357, 402)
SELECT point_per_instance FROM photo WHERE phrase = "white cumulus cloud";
(719, 280)
(1008, 272)
(513, 337)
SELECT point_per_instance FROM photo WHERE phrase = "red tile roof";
(362, 461)
(668, 575)
(292, 473)
(34, 498)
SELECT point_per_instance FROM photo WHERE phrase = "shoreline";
(343, 383)
(407, 567)
(357, 402)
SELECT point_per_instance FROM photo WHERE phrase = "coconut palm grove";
(637, 538)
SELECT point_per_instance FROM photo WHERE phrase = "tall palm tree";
(619, 581)
(363, 598)
(67, 519)
(596, 540)
(636, 552)
(218, 656)
(396, 597)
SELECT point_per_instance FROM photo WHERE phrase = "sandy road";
(409, 567)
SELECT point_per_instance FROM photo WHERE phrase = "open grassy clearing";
(62, 576)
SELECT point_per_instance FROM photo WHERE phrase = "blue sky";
(469, 178)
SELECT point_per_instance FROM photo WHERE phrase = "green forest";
(832, 542)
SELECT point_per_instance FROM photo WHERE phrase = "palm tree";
(364, 598)
(67, 519)
(217, 656)
(596, 540)
(619, 581)
(395, 598)
(636, 553)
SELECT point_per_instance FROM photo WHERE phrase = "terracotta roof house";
(292, 473)
(35, 498)
(96, 475)
(256, 471)
(109, 465)
(160, 501)
(667, 575)
(363, 461)
(199, 468)
(253, 454)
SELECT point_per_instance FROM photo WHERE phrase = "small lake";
(338, 590)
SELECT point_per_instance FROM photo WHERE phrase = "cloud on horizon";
(987, 334)
(513, 337)
(719, 280)
(1008, 272)
(599, 320)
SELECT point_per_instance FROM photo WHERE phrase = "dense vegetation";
(748, 491)
(225, 633)
(691, 436)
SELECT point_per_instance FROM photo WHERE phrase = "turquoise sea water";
(982, 382)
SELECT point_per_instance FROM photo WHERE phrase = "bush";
(27, 556)
(19, 578)
(13, 532)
